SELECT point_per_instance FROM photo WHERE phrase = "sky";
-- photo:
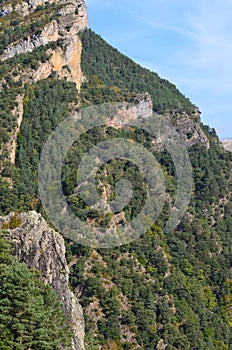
(188, 42)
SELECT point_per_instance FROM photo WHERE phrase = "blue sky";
(188, 42)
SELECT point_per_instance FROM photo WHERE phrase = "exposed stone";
(5, 10)
(161, 345)
(187, 126)
(49, 34)
(41, 73)
(10, 146)
(227, 144)
(19, 112)
(66, 61)
(68, 64)
(34, 3)
(22, 8)
(141, 107)
(40, 247)
(191, 133)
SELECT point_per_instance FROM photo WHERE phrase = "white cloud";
(186, 42)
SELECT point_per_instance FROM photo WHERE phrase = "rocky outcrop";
(24, 8)
(10, 146)
(191, 133)
(6, 10)
(64, 57)
(227, 144)
(18, 111)
(142, 106)
(49, 34)
(187, 126)
(40, 247)
(66, 61)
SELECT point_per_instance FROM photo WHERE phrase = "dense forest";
(170, 291)
(115, 69)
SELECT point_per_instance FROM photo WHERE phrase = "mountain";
(36, 244)
(164, 289)
(227, 143)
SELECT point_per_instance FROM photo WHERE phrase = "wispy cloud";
(208, 30)
(171, 28)
(187, 42)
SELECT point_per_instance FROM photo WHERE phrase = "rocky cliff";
(39, 246)
(32, 25)
(162, 291)
(70, 19)
(227, 144)
(142, 106)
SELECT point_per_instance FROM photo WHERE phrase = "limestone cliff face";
(66, 61)
(227, 144)
(18, 111)
(41, 247)
(49, 33)
(10, 146)
(64, 58)
(189, 129)
(24, 8)
(192, 133)
(142, 107)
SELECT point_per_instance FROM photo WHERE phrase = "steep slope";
(31, 316)
(40, 247)
(163, 290)
(112, 68)
(37, 38)
(227, 144)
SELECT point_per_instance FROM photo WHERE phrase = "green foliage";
(6, 257)
(30, 314)
(14, 27)
(46, 104)
(114, 69)
(176, 287)
(14, 222)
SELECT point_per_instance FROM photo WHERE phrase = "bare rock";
(40, 247)
(66, 61)
(142, 106)
(227, 144)
(49, 34)
(22, 8)
(5, 10)
(191, 133)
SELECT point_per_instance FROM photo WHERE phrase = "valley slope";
(164, 290)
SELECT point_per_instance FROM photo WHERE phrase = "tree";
(30, 314)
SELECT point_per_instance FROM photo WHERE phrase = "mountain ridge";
(227, 143)
(163, 290)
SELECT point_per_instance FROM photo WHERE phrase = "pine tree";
(30, 314)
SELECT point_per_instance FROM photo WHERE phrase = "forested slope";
(170, 291)
(174, 288)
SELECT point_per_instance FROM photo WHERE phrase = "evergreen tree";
(30, 314)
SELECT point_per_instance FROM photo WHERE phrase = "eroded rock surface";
(66, 61)
(40, 247)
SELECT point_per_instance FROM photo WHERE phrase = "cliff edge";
(40, 247)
